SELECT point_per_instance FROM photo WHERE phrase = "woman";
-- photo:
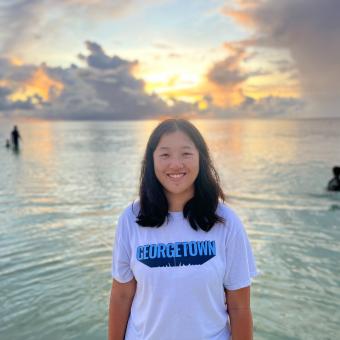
(180, 253)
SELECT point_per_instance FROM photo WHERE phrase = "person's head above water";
(177, 169)
(336, 171)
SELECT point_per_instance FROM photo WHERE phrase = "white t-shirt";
(181, 274)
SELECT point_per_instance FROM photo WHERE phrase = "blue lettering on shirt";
(176, 254)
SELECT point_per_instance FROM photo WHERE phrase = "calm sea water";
(61, 195)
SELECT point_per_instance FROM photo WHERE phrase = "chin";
(179, 191)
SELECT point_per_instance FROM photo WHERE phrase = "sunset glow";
(199, 57)
(39, 84)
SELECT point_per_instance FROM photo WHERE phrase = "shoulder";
(127, 220)
(130, 212)
(226, 211)
(232, 220)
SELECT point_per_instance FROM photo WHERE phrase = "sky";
(141, 59)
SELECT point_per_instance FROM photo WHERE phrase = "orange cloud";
(16, 61)
(244, 18)
(225, 78)
(274, 85)
(3, 82)
(222, 82)
(224, 96)
(39, 84)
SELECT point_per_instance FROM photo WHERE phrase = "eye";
(164, 155)
(187, 154)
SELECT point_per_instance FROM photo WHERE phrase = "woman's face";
(176, 164)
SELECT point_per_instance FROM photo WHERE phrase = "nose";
(176, 163)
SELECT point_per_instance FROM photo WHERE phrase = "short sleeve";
(240, 261)
(121, 253)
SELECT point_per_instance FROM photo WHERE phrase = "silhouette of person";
(334, 183)
(15, 135)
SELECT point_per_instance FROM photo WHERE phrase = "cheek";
(197, 169)
(158, 167)
(195, 165)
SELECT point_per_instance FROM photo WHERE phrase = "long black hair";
(200, 210)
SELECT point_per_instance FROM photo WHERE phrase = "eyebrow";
(183, 147)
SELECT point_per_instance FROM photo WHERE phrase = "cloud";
(6, 104)
(227, 72)
(226, 77)
(18, 17)
(284, 65)
(310, 31)
(162, 45)
(25, 19)
(104, 89)
(174, 55)
(270, 107)
(98, 59)
(11, 80)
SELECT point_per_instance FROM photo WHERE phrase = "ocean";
(61, 195)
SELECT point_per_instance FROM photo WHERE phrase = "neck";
(177, 202)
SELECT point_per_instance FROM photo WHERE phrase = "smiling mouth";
(176, 176)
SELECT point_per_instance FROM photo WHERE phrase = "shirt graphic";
(176, 254)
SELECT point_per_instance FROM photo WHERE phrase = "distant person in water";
(15, 135)
(7, 143)
(334, 183)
